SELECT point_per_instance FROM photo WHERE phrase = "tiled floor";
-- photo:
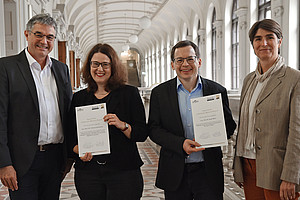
(150, 158)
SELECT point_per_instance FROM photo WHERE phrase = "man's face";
(39, 47)
(188, 69)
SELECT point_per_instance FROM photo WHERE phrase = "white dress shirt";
(50, 121)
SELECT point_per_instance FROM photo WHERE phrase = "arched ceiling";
(114, 21)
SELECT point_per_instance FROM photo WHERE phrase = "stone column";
(219, 46)
(277, 10)
(244, 50)
(277, 15)
(147, 69)
(158, 67)
(165, 64)
(152, 78)
(202, 49)
(154, 67)
(171, 71)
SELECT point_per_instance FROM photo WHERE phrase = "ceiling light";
(133, 38)
(145, 22)
(125, 47)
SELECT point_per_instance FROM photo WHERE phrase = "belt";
(47, 147)
(192, 166)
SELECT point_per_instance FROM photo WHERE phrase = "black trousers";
(99, 182)
(192, 187)
(43, 180)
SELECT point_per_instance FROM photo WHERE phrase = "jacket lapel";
(246, 87)
(175, 104)
(60, 87)
(27, 75)
(271, 85)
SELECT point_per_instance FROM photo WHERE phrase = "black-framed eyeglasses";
(104, 65)
(39, 35)
(189, 60)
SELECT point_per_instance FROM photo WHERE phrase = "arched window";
(234, 48)
(213, 45)
(264, 9)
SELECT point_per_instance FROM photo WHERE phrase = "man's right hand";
(189, 146)
(8, 177)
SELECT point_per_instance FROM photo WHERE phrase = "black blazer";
(126, 103)
(166, 129)
(19, 109)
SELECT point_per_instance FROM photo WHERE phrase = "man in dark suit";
(186, 172)
(35, 94)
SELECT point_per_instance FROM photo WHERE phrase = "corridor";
(150, 158)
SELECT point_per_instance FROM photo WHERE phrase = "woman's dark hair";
(266, 24)
(185, 43)
(118, 76)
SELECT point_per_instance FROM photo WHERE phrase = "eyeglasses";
(189, 60)
(40, 36)
(104, 65)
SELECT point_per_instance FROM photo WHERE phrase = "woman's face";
(100, 68)
(266, 45)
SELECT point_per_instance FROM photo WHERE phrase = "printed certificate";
(208, 119)
(92, 131)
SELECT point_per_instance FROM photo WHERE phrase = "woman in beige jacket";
(267, 160)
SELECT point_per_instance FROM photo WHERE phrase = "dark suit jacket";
(126, 103)
(166, 129)
(19, 109)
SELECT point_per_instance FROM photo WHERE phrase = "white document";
(92, 131)
(208, 119)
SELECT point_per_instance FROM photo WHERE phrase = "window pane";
(261, 2)
(268, 14)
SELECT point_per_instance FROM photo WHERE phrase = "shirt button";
(257, 111)
(258, 129)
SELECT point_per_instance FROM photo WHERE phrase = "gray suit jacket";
(277, 130)
(19, 109)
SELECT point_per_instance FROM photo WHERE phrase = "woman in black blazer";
(116, 175)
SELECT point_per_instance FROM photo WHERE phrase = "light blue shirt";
(184, 101)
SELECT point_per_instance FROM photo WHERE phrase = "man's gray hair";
(41, 19)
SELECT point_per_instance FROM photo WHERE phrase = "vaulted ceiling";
(114, 21)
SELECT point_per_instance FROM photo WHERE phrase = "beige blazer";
(277, 130)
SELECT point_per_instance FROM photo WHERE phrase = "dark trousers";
(194, 185)
(99, 182)
(43, 179)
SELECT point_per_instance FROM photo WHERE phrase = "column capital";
(165, 51)
(242, 17)
(277, 11)
(241, 12)
(61, 24)
(219, 24)
(202, 35)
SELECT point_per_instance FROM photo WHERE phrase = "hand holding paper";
(190, 146)
(92, 131)
(208, 119)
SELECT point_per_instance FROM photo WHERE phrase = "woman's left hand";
(112, 119)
